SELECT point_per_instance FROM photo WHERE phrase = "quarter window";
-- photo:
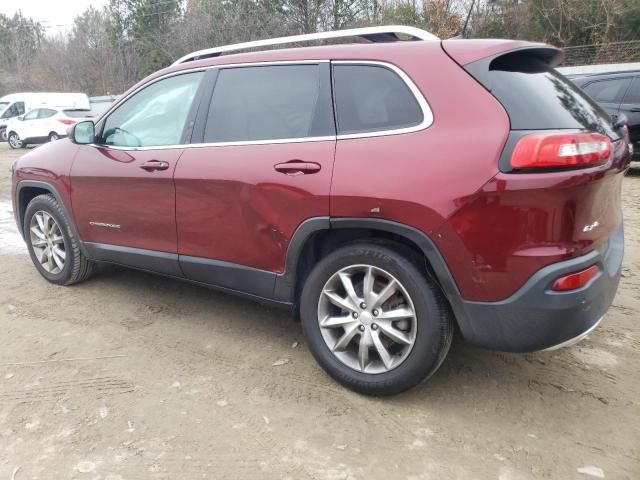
(371, 98)
(154, 116)
(269, 103)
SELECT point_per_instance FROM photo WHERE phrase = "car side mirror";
(20, 117)
(82, 133)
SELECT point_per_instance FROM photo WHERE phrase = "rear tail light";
(559, 150)
(66, 121)
(575, 280)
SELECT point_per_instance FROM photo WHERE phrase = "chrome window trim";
(427, 114)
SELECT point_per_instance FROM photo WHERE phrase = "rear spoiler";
(465, 52)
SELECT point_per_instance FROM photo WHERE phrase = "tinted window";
(19, 107)
(371, 98)
(268, 103)
(46, 113)
(537, 97)
(633, 94)
(32, 115)
(154, 116)
(607, 91)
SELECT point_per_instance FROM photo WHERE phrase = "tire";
(14, 141)
(53, 136)
(431, 326)
(75, 267)
(3, 135)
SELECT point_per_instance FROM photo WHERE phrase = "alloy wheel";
(47, 242)
(15, 141)
(367, 319)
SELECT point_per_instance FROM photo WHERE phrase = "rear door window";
(372, 98)
(46, 113)
(272, 102)
(607, 91)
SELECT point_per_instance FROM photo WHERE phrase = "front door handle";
(297, 167)
(154, 165)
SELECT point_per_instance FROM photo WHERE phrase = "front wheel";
(53, 247)
(373, 321)
(14, 141)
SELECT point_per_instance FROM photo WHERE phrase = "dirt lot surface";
(132, 376)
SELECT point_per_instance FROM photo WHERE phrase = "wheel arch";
(27, 190)
(316, 237)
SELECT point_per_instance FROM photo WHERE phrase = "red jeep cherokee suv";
(388, 191)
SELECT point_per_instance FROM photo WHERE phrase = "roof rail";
(373, 34)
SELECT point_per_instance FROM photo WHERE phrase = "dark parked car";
(618, 93)
(388, 192)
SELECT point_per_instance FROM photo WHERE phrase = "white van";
(17, 104)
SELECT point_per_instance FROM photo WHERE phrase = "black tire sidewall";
(426, 353)
(47, 203)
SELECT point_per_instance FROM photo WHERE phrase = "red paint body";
(494, 230)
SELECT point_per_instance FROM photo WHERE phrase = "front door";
(27, 127)
(122, 187)
(262, 167)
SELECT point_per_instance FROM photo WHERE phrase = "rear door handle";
(297, 167)
(154, 165)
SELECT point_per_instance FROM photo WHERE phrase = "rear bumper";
(536, 318)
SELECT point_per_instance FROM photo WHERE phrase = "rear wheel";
(53, 247)
(14, 141)
(53, 136)
(373, 321)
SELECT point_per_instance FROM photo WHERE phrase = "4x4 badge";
(592, 227)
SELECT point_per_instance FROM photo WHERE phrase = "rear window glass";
(537, 97)
(371, 98)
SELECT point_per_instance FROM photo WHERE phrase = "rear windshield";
(77, 113)
(537, 97)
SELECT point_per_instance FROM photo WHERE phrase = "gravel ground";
(132, 376)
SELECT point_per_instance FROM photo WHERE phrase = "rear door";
(123, 193)
(260, 165)
(631, 108)
(46, 123)
(608, 93)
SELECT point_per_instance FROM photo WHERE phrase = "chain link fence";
(602, 53)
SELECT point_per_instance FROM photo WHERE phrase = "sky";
(55, 15)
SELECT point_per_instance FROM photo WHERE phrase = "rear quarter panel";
(421, 178)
